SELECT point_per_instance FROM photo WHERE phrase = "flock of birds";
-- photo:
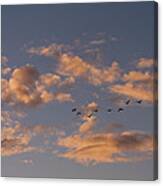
(120, 109)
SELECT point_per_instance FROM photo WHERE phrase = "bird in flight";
(78, 113)
(120, 109)
(127, 102)
(96, 110)
(90, 115)
(139, 101)
(74, 110)
(109, 110)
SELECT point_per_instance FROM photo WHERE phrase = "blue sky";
(92, 56)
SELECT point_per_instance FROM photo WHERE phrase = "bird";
(120, 109)
(109, 110)
(74, 110)
(96, 110)
(127, 102)
(90, 115)
(139, 101)
(78, 113)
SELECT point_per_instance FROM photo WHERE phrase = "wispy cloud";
(88, 124)
(138, 76)
(16, 138)
(75, 66)
(145, 63)
(135, 91)
(112, 147)
(4, 65)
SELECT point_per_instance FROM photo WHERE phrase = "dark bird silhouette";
(109, 110)
(139, 101)
(78, 113)
(96, 110)
(90, 115)
(120, 109)
(127, 102)
(74, 110)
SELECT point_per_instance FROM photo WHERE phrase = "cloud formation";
(145, 63)
(133, 76)
(5, 69)
(138, 84)
(26, 88)
(53, 50)
(15, 140)
(88, 124)
(113, 147)
(18, 139)
(136, 91)
(75, 66)
(51, 79)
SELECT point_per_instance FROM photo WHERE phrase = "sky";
(97, 59)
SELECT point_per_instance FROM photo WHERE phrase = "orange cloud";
(137, 91)
(51, 79)
(53, 50)
(62, 97)
(108, 147)
(74, 66)
(17, 139)
(26, 88)
(91, 106)
(87, 125)
(145, 63)
(138, 76)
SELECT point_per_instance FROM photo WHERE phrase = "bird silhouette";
(74, 110)
(96, 110)
(139, 101)
(120, 109)
(78, 113)
(109, 110)
(90, 115)
(127, 102)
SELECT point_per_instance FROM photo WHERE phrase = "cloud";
(27, 161)
(97, 42)
(145, 63)
(88, 124)
(137, 91)
(51, 79)
(62, 97)
(17, 138)
(138, 76)
(113, 147)
(22, 85)
(15, 141)
(6, 93)
(5, 69)
(138, 84)
(4, 59)
(91, 106)
(75, 66)
(53, 50)
(28, 87)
